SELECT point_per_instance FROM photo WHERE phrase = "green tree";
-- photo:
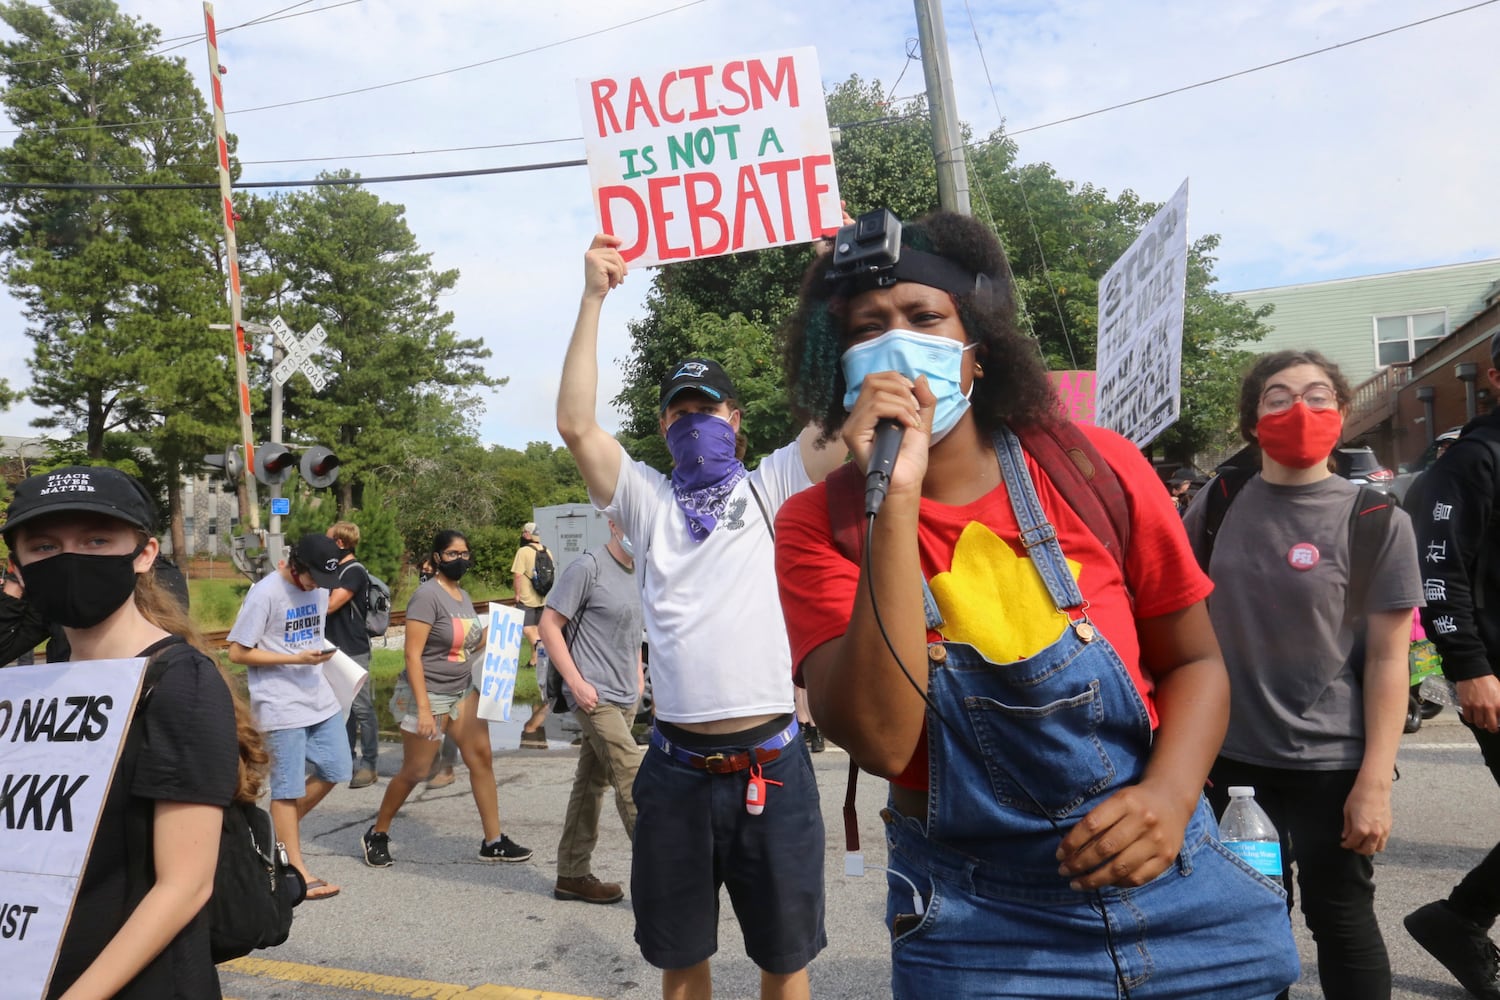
(342, 257)
(117, 287)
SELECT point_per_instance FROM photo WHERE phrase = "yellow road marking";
(369, 982)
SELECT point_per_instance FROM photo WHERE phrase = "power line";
(382, 86)
(314, 182)
(1256, 69)
(266, 19)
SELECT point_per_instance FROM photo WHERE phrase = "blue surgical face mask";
(913, 354)
(628, 546)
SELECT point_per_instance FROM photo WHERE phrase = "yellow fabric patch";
(995, 600)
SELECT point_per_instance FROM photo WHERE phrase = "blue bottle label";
(1262, 855)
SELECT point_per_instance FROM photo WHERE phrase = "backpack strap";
(765, 512)
(1369, 524)
(140, 864)
(1221, 489)
(363, 605)
(1074, 466)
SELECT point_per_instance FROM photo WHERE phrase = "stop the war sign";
(714, 158)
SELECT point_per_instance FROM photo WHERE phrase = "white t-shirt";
(713, 617)
(282, 618)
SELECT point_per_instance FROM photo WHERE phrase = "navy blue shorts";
(693, 835)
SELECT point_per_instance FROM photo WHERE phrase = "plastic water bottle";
(1440, 690)
(1247, 831)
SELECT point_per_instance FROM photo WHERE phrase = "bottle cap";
(1241, 791)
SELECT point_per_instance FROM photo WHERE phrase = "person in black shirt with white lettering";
(80, 540)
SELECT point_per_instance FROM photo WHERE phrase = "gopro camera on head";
(871, 244)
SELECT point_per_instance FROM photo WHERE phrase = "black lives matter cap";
(699, 375)
(89, 489)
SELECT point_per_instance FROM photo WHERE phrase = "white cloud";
(1369, 158)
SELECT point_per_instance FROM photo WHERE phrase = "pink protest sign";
(1075, 390)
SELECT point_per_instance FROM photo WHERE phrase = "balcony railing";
(1375, 400)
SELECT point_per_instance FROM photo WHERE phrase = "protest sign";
(495, 674)
(715, 158)
(61, 729)
(1075, 391)
(1140, 328)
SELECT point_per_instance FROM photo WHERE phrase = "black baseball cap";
(91, 489)
(320, 556)
(699, 375)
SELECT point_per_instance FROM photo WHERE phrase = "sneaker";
(503, 849)
(533, 740)
(377, 849)
(589, 889)
(1462, 946)
(442, 777)
(363, 778)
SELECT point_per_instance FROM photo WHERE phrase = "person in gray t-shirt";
(1313, 726)
(591, 627)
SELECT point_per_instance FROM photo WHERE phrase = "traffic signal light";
(229, 463)
(320, 467)
(273, 463)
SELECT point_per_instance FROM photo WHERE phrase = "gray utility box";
(570, 530)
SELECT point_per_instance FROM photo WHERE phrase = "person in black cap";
(278, 635)
(80, 540)
(1456, 541)
(720, 669)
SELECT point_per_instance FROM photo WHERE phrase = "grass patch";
(216, 602)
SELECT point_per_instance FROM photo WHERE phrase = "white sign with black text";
(61, 729)
(1139, 363)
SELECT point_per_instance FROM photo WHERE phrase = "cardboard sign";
(1140, 328)
(61, 729)
(699, 161)
(1075, 391)
(495, 674)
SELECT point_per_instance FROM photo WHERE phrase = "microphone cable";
(1096, 897)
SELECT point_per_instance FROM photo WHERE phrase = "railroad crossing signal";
(299, 352)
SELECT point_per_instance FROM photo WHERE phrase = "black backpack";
(255, 886)
(544, 573)
(374, 605)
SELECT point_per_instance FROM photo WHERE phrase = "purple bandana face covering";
(705, 469)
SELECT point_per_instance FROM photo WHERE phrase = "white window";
(1399, 339)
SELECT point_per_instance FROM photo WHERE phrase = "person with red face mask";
(1318, 694)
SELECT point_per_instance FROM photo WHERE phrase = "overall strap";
(1037, 533)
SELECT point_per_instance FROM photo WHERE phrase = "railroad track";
(219, 638)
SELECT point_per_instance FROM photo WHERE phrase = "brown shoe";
(533, 739)
(441, 778)
(589, 889)
(363, 778)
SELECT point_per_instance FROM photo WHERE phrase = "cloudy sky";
(1372, 157)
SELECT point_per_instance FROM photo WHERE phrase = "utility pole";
(947, 141)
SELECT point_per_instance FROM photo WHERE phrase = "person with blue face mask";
(1045, 708)
(721, 672)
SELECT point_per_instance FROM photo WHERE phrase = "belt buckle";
(714, 759)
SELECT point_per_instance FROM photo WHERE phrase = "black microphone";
(888, 435)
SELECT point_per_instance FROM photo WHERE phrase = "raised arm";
(595, 451)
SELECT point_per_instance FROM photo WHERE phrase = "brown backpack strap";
(1085, 480)
(846, 511)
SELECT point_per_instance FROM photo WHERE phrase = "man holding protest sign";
(725, 793)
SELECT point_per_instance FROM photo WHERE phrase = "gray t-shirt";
(602, 603)
(1281, 581)
(457, 635)
(280, 617)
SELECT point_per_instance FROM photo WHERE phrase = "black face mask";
(79, 591)
(454, 569)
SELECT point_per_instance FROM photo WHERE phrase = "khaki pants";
(608, 756)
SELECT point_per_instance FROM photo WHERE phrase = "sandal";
(318, 889)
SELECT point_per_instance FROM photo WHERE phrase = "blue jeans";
(1018, 753)
(362, 727)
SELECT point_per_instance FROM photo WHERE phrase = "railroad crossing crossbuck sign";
(298, 354)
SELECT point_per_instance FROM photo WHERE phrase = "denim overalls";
(1062, 729)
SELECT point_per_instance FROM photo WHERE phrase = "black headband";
(924, 269)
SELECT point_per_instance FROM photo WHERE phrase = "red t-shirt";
(990, 594)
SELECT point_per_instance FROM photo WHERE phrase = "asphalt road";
(444, 925)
